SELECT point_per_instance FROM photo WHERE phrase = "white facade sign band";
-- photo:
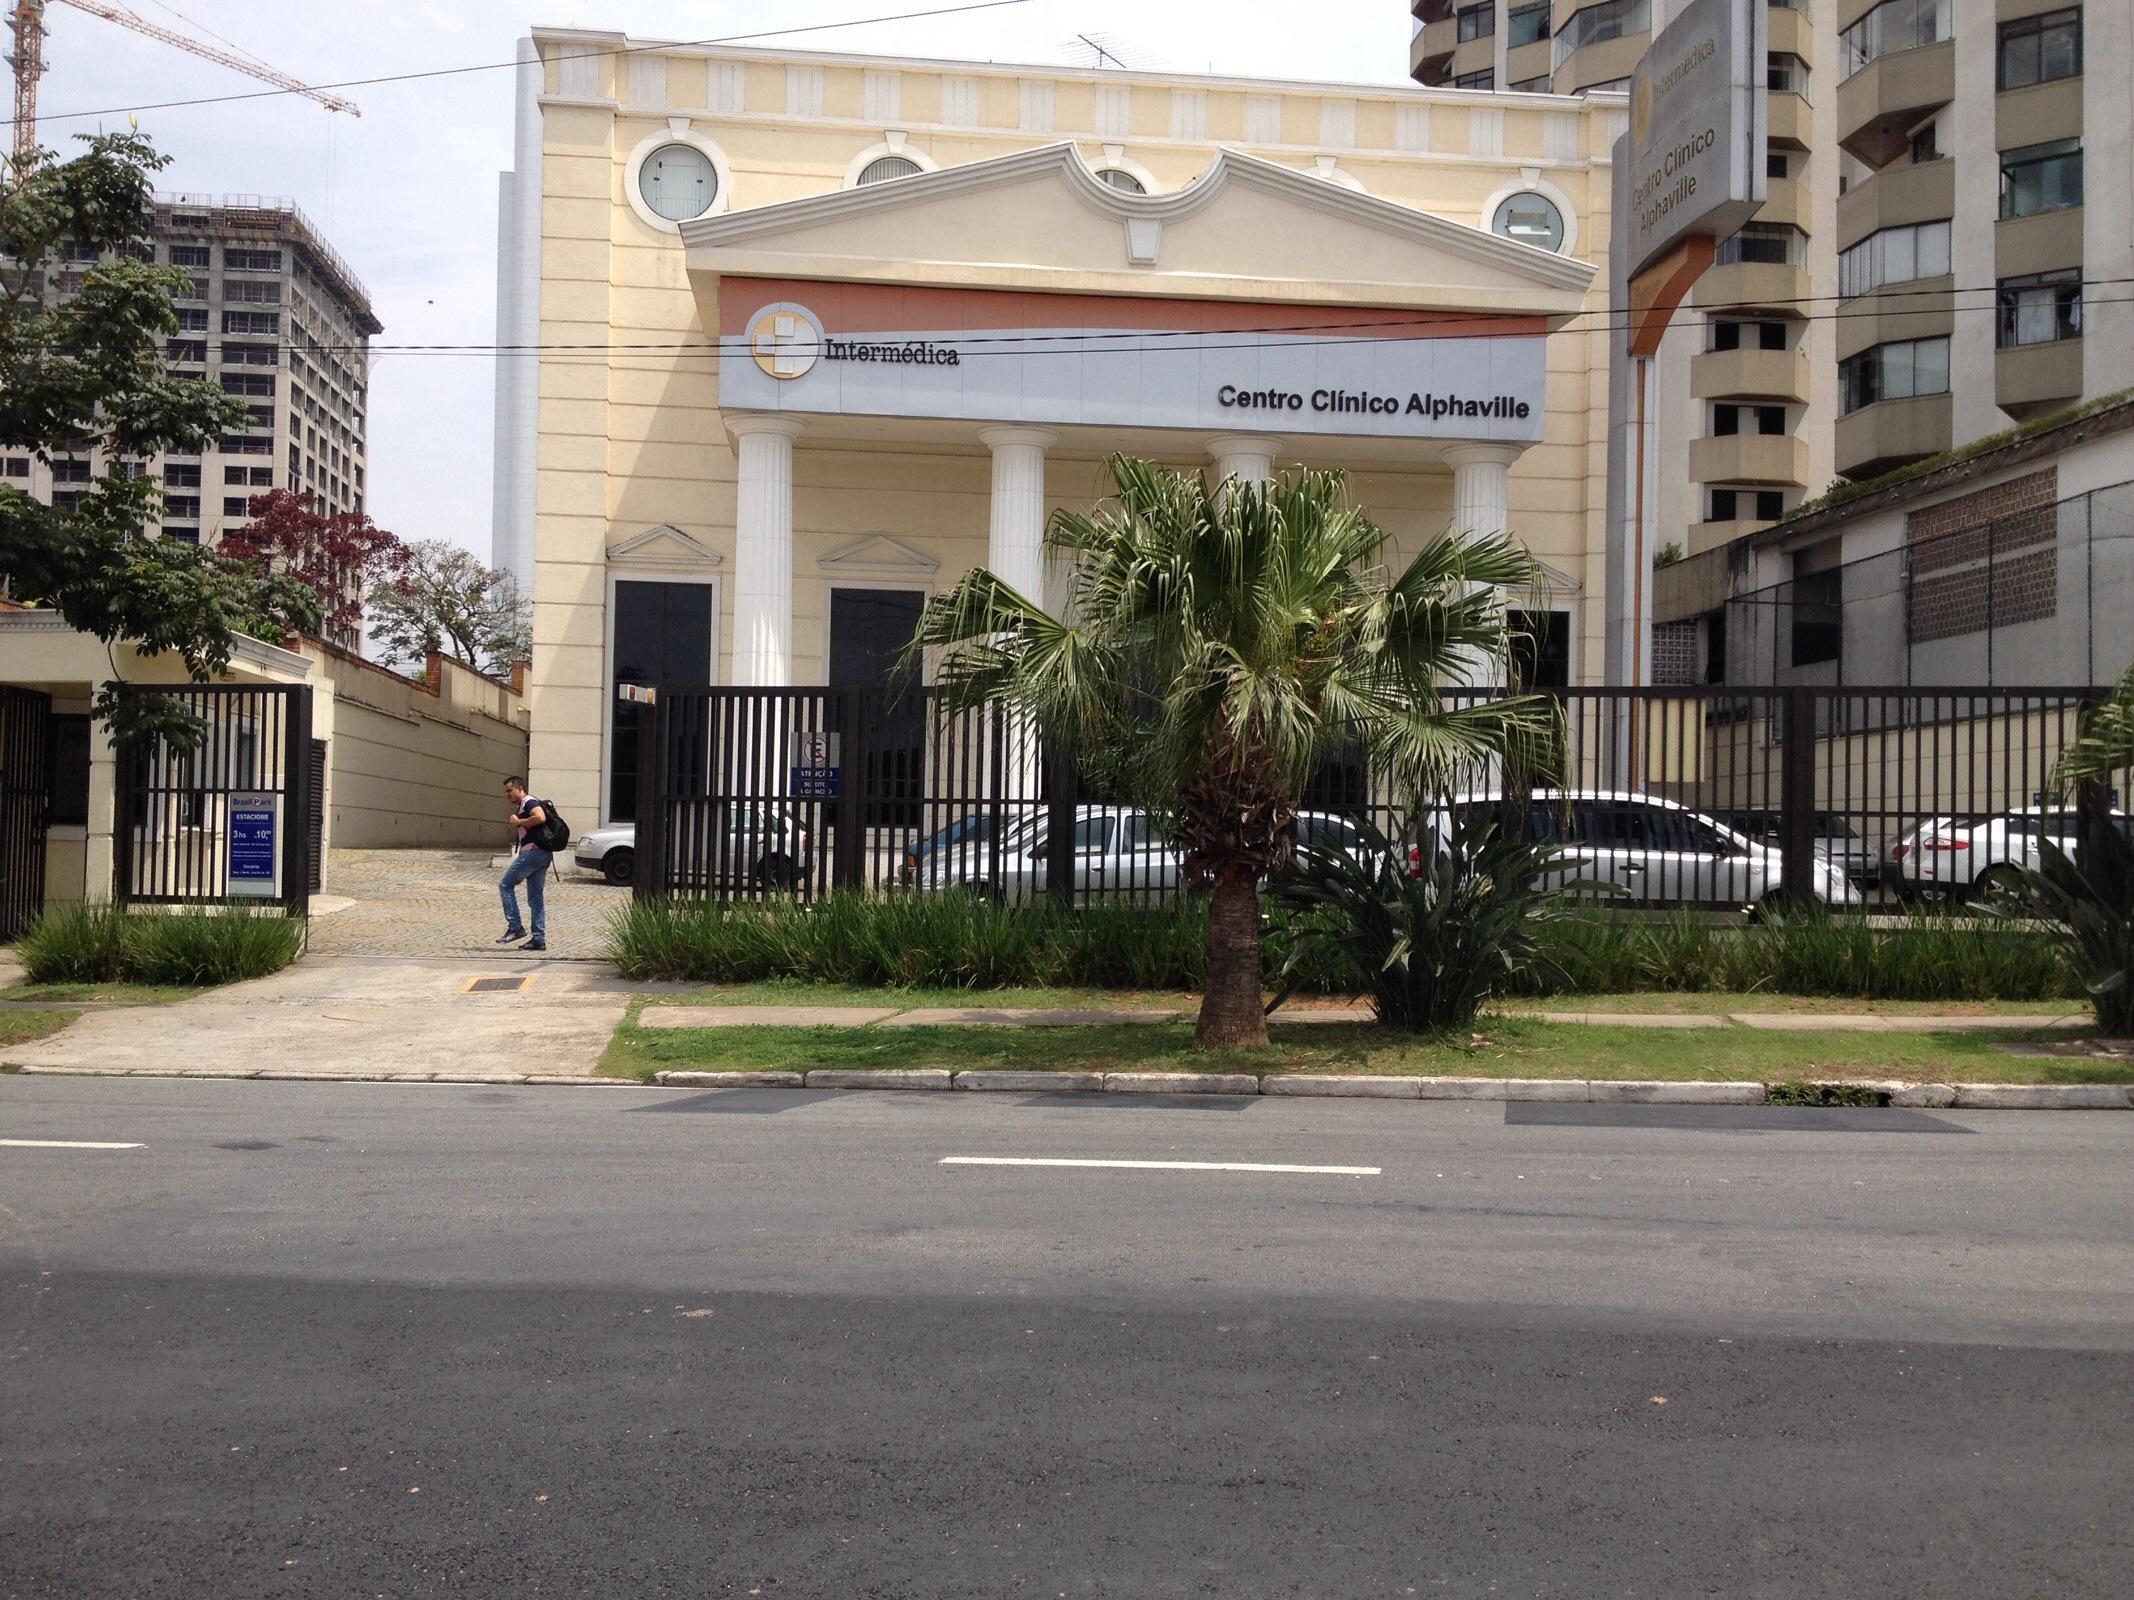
(847, 350)
(1698, 110)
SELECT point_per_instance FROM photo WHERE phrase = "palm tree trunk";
(1231, 1015)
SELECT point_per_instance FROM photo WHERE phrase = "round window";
(1119, 178)
(882, 168)
(1531, 219)
(678, 182)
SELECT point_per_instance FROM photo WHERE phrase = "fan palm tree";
(1216, 643)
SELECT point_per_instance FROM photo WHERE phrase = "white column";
(1247, 457)
(763, 547)
(1015, 551)
(1481, 487)
(1481, 504)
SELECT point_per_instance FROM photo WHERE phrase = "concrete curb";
(1930, 1096)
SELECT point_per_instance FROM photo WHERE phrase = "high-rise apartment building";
(274, 316)
(1948, 246)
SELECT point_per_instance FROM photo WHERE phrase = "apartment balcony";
(1786, 201)
(1604, 62)
(1792, 120)
(1749, 375)
(1526, 61)
(2036, 379)
(2038, 114)
(1791, 34)
(1430, 51)
(1753, 284)
(1765, 458)
(1896, 196)
(2043, 243)
(1923, 308)
(1474, 55)
(1432, 10)
(1891, 433)
(1705, 536)
(1879, 105)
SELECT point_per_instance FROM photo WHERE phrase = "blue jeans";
(530, 867)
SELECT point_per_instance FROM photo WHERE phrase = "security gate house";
(232, 820)
(25, 804)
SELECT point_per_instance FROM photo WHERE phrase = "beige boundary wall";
(417, 764)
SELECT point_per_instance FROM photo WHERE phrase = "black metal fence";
(25, 804)
(234, 819)
(1713, 797)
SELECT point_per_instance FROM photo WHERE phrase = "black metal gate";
(229, 820)
(25, 804)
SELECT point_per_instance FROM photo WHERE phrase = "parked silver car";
(1653, 850)
(762, 845)
(1117, 850)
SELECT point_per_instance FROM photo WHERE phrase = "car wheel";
(2003, 879)
(619, 867)
(776, 872)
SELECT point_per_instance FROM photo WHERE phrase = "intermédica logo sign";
(910, 352)
(788, 340)
(1363, 402)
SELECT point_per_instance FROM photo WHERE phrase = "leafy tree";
(2104, 747)
(342, 557)
(86, 373)
(1219, 642)
(444, 600)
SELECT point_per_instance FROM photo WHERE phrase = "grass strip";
(1500, 1048)
(20, 1027)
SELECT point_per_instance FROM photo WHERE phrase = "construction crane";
(27, 23)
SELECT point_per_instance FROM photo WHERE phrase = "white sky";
(407, 194)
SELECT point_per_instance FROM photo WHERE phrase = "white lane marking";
(63, 1144)
(1155, 1166)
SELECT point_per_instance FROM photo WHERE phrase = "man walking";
(529, 865)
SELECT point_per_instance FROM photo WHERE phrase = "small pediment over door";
(663, 546)
(881, 555)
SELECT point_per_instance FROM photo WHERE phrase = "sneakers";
(511, 936)
(534, 944)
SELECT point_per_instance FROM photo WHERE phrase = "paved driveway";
(444, 902)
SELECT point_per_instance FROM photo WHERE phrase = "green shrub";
(75, 943)
(2089, 900)
(102, 944)
(1431, 928)
(1795, 1093)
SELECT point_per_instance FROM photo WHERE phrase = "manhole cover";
(493, 985)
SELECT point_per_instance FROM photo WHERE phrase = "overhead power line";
(1128, 341)
(501, 66)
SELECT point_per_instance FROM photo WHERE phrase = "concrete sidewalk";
(332, 1017)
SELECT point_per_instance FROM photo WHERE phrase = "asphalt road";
(379, 1340)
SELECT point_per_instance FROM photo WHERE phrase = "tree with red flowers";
(342, 557)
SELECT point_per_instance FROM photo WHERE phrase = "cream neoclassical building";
(807, 336)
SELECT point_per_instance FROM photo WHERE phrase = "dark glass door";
(869, 630)
(662, 635)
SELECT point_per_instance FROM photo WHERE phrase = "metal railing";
(1709, 796)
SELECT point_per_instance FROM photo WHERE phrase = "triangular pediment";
(1245, 229)
(663, 546)
(878, 553)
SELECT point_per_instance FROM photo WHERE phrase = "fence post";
(1059, 828)
(648, 875)
(296, 800)
(1796, 787)
(854, 788)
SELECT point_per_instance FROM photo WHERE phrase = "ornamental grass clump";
(192, 948)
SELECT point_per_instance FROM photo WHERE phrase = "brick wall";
(1985, 559)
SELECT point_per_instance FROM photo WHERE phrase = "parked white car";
(1956, 858)
(1656, 851)
(763, 845)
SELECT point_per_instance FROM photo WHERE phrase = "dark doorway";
(662, 635)
(25, 804)
(1541, 649)
(869, 630)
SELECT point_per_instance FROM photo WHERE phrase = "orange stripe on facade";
(853, 308)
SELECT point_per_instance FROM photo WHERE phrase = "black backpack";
(554, 833)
